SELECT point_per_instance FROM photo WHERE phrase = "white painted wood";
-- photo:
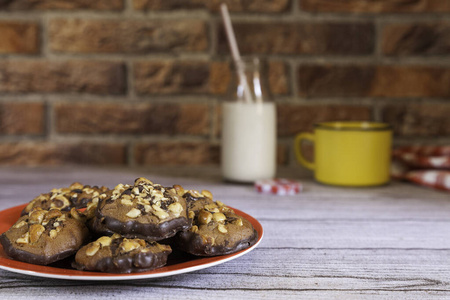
(388, 242)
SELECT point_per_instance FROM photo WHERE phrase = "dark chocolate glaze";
(192, 243)
(128, 264)
(21, 255)
(134, 229)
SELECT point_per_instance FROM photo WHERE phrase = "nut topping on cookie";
(204, 217)
(24, 239)
(37, 216)
(129, 245)
(219, 217)
(133, 213)
(36, 230)
(222, 228)
(93, 248)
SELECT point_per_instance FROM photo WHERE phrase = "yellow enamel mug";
(348, 153)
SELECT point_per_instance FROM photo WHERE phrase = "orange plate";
(177, 263)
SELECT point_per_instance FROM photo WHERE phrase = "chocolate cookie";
(43, 237)
(216, 229)
(76, 195)
(117, 254)
(144, 210)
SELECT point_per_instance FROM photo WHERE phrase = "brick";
(202, 77)
(378, 6)
(40, 5)
(301, 38)
(220, 77)
(414, 120)
(41, 153)
(326, 80)
(127, 36)
(22, 118)
(282, 155)
(177, 153)
(135, 118)
(278, 78)
(172, 77)
(265, 6)
(293, 119)
(94, 77)
(19, 37)
(416, 39)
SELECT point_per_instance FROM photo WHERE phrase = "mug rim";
(353, 126)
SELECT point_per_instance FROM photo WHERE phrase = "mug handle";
(298, 149)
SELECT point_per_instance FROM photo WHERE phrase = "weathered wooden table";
(390, 242)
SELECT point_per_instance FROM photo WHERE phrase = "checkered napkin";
(424, 165)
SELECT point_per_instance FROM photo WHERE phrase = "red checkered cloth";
(280, 186)
(435, 157)
(424, 165)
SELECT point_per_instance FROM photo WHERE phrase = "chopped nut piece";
(136, 191)
(93, 248)
(30, 206)
(129, 245)
(194, 193)
(24, 239)
(53, 233)
(126, 202)
(222, 228)
(219, 217)
(59, 202)
(179, 189)
(207, 194)
(239, 222)
(63, 217)
(54, 213)
(36, 231)
(20, 224)
(161, 214)
(158, 195)
(37, 216)
(176, 208)
(204, 217)
(147, 208)
(133, 213)
(76, 186)
(194, 229)
(142, 180)
(211, 206)
(104, 241)
(75, 214)
(119, 187)
(56, 224)
(224, 209)
(157, 207)
(191, 214)
(126, 197)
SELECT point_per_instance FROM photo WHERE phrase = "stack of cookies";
(131, 228)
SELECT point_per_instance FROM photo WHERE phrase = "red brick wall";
(140, 82)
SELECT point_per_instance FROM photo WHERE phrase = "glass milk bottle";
(249, 129)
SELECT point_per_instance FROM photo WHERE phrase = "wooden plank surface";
(388, 242)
